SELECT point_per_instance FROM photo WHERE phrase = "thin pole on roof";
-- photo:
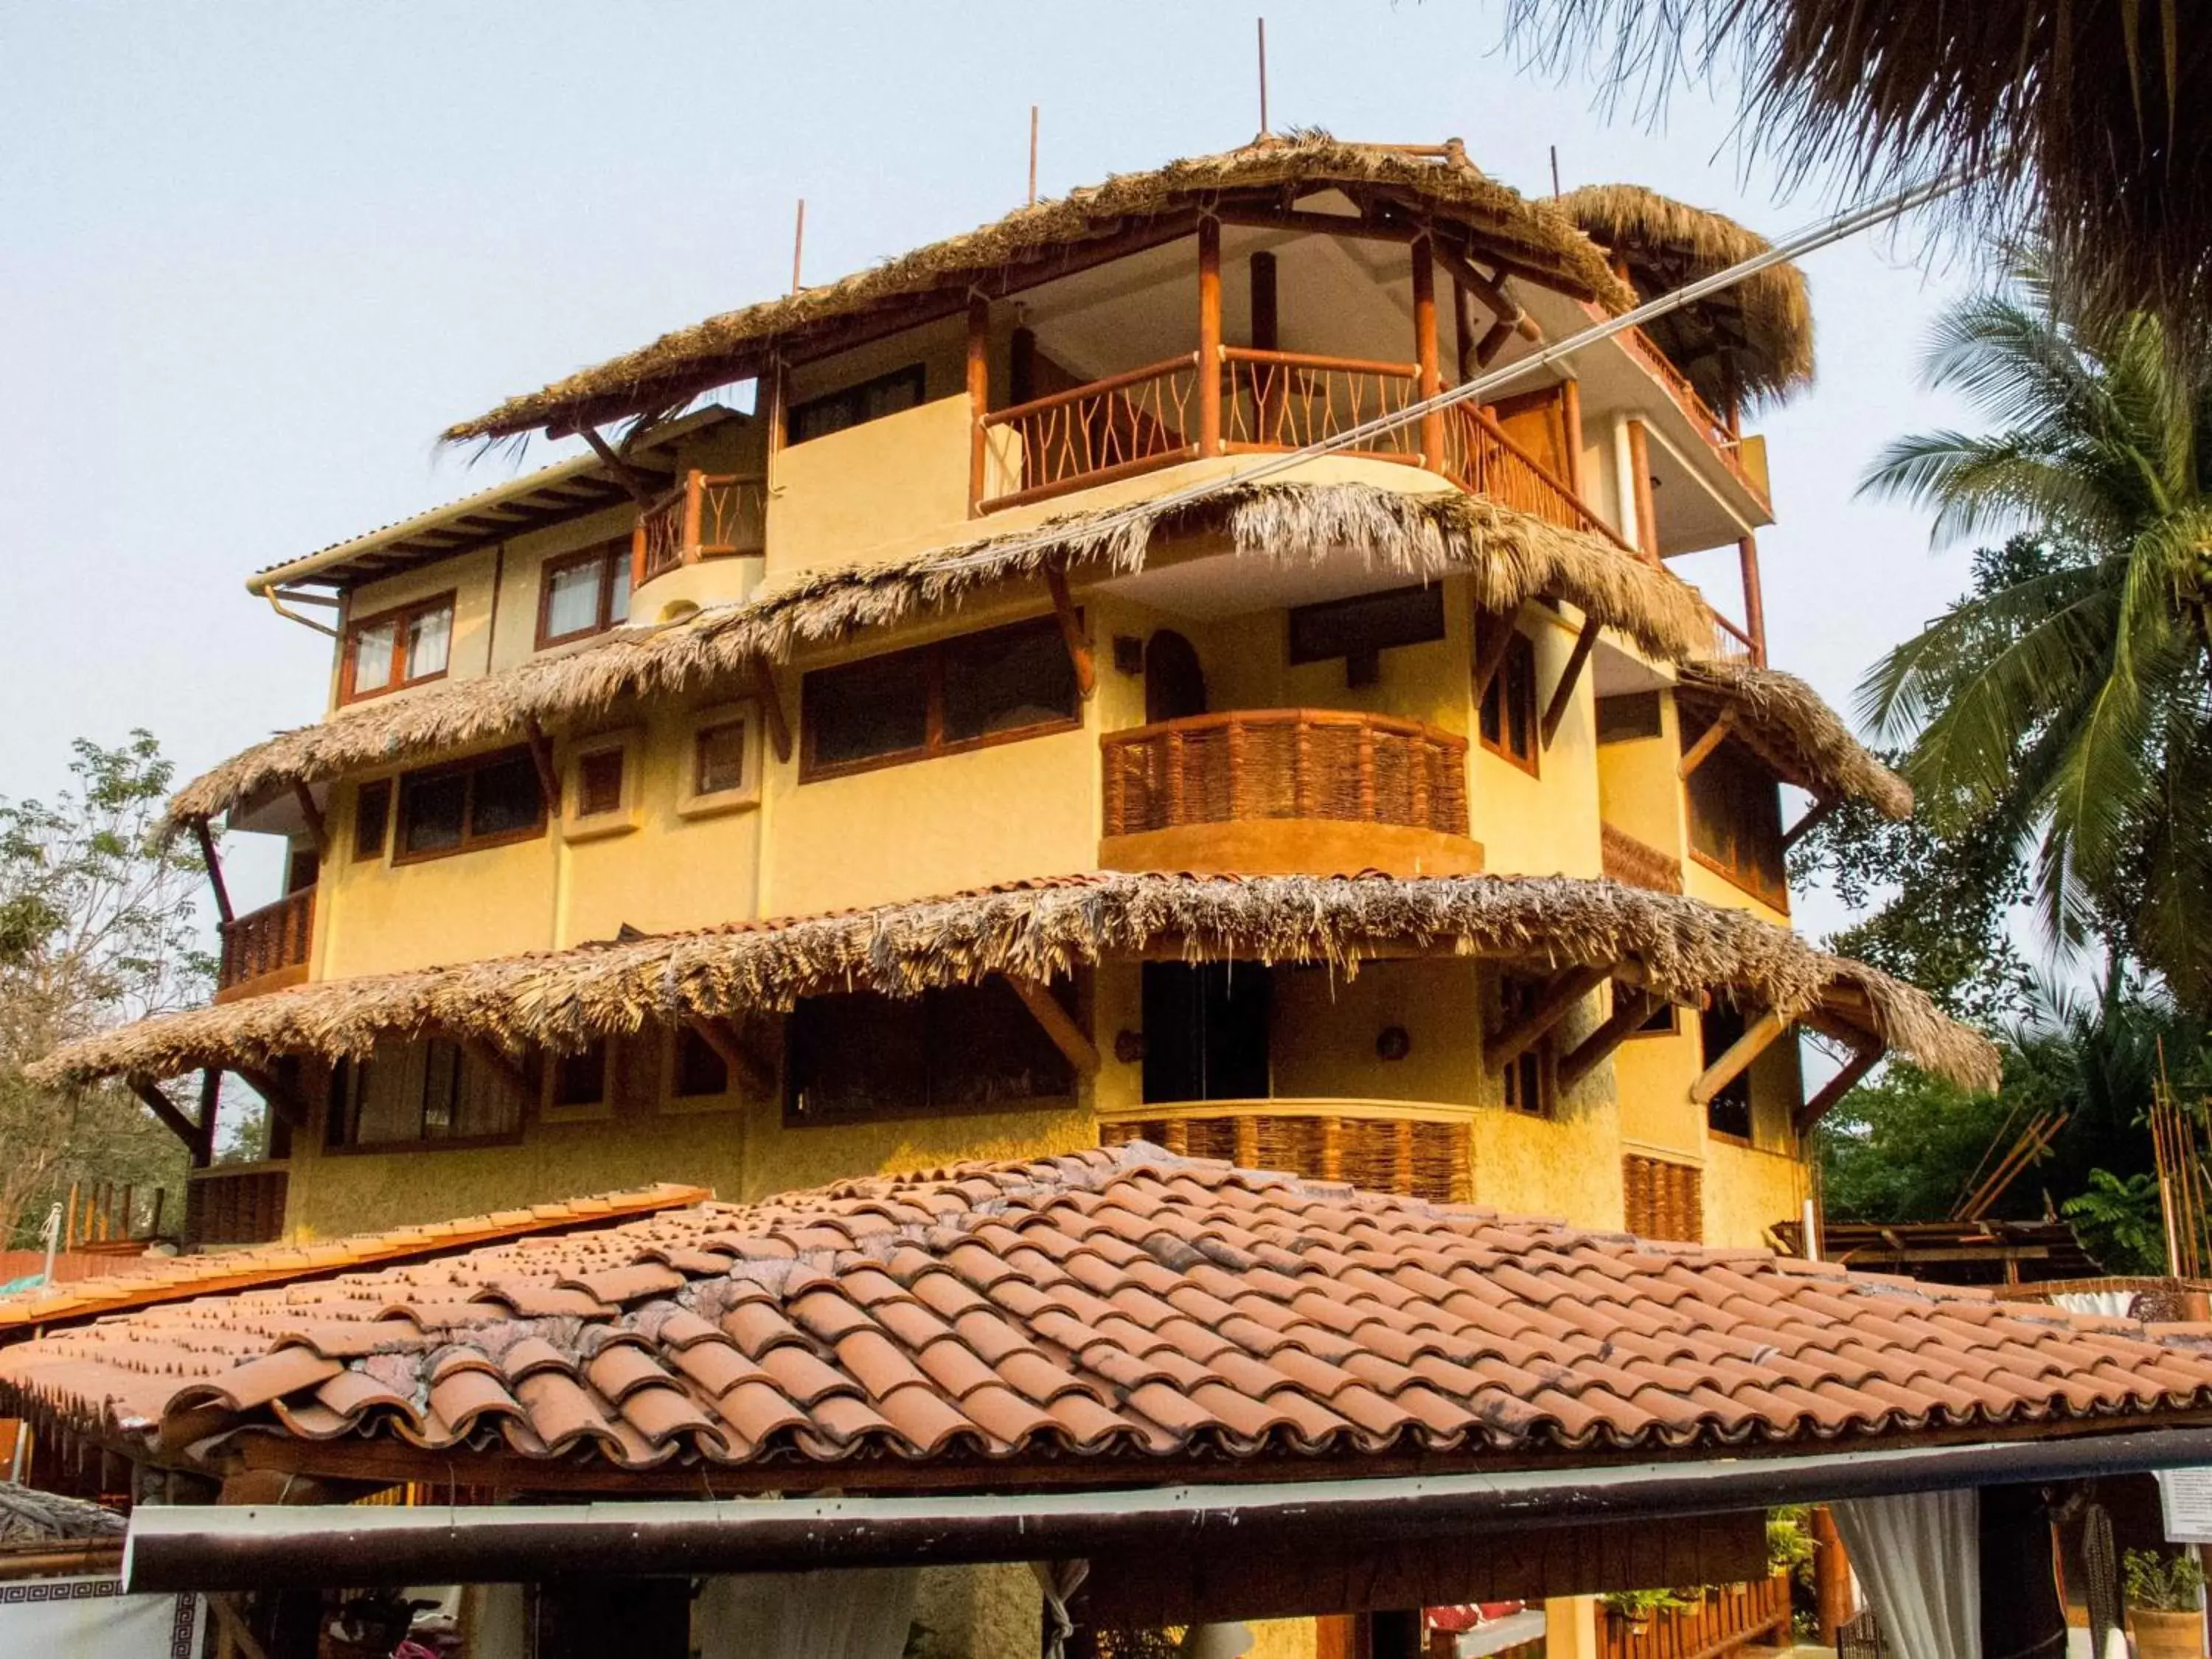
(1555, 169)
(1033, 142)
(797, 243)
(1263, 77)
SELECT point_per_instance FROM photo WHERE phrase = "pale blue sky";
(256, 255)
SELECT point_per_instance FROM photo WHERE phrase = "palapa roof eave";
(1786, 720)
(1512, 557)
(1530, 235)
(1046, 929)
(1755, 338)
(1106, 1315)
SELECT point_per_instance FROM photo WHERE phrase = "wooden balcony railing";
(1422, 1154)
(236, 1203)
(1285, 763)
(1731, 643)
(266, 949)
(1288, 399)
(1482, 458)
(1634, 863)
(1730, 1617)
(1093, 433)
(1724, 440)
(710, 515)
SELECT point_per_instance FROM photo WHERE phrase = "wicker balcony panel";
(1413, 1157)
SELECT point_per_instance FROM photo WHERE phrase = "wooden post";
(1424, 351)
(1554, 1005)
(210, 1098)
(1639, 480)
(1630, 1008)
(1700, 752)
(1855, 1070)
(1754, 601)
(1564, 693)
(213, 862)
(1831, 1575)
(1071, 631)
(979, 397)
(1462, 330)
(1209, 336)
(1571, 410)
(313, 814)
(771, 702)
(694, 491)
(1272, 389)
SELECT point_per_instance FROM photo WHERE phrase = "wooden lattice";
(1420, 1158)
(1664, 1198)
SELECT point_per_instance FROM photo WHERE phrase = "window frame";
(934, 745)
(1542, 1058)
(401, 617)
(668, 1102)
(856, 395)
(579, 825)
(935, 1019)
(1711, 1047)
(348, 1079)
(691, 802)
(468, 842)
(551, 1111)
(1731, 751)
(386, 790)
(613, 557)
(1506, 685)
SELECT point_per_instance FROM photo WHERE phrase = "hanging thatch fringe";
(565, 1000)
(1532, 234)
(1511, 557)
(1787, 720)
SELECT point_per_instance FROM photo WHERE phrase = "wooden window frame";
(400, 617)
(1522, 651)
(346, 1079)
(388, 814)
(1544, 1052)
(934, 745)
(856, 394)
(1730, 751)
(690, 801)
(576, 824)
(468, 844)
(589, 1111)
(613, 558)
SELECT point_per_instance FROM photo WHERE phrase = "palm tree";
(2066, 703)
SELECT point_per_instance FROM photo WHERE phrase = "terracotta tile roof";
(1112, 1309)
(146, 1281)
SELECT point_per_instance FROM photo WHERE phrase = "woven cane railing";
(1421, 1159)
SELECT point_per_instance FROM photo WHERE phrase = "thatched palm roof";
(1805, 740)
(1511, 557)
(1752, 341)
(1681, 947)
(1526, 237)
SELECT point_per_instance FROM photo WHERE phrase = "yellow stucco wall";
(1639, 786)
(1747, 1191)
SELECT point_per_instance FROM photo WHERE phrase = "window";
(718, 758)
(419, 1093)
(1729, 1112)
(1360, 629)
(699, 1072)
(1509, 708)
(1531, 1075)
(480, 803)
(871, 400)
(1628, 717)
(1736, 822)
(962, 692)
(600, 783)
(958, 1049)
(721, 768)
(397, 648)
(581, 594)
(1207, 1031)
(371, 818)
(303, 868)
(578, 1081)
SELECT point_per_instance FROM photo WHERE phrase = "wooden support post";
(1754, 600)
(69, 1220)
(1491, 342)
(1272, 382)
(1630, 1008)
(1494, 634)
(1639, 480)
(541, 757)
(1564, 693)
(317, 831)
(164, 1110)
(1070, 1038)
(233, 1638)
(1425, 350)
(1571, 412)
(638, 486)
(281, 1101)
(1071, 631)
(1701, 752)
(1493, 294)
(1831, 1575)
(210, 1102)
(1862, 1061)
(1557, 1001)
(979, 398)
(1267, 326)
(771, 702)
(1209, 336)
(1818, 811)
(1761, 1034)
(768, 407)
(1462, 332)
(213, 859)
(750, 1069)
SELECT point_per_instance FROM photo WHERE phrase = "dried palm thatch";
(1527, 237)
(1511, 556)
(1786, 720)
(562, 1000)
(2087, 127)
(1752, 341)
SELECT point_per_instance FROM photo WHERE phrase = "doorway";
(1175, 683)
(1206, 1031)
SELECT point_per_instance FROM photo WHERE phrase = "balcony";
(1287, 790)
(266, 950)
(236, 1203)
(1420, 1152)
(1721, 435)
(708, 515)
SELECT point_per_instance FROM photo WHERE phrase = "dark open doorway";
(1206, 1031)
(1175, 683)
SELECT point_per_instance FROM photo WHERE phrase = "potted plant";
(2163, 1592)
(1634, 1608)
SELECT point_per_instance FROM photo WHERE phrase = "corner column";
(1425, 350)
(979, 397)
(1209, 337)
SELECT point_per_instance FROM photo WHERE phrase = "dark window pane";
(1736, 817)
(987, 1049)
(505, 798)
(431, 811)
(1729, 1112)
(372, 807)
(868, 709)
(1206, 1031)
(442, 1090)
(699, 1069)
(1626, 717)
(600, 783)
(859, 1056)
(580, 1079)
(1007, 679)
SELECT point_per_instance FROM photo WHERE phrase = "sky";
(254, 256)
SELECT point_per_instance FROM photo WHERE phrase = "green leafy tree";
(98, 925)
(2064, 707)
(2121, 1221)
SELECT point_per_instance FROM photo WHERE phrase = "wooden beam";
(233, 1638)
(979, 398)
(749, 1069)
(210, 1102)
(771, 702)
(1639, 468)
(1462, 331)
(1564, 693)
(1630, 1008)
(1700, 752)
(1209, 336)
(1071, 631)
(1058, 1024)
(164, 1110)
(1427, 382)
(1760, 1035)
(317, 832)
(1494, 631)
(1571, 410)
(1814, 816)
(281, 1101)
(541, 757)
(1500, 304)
(640, 488)
(1862, 1061)
(210, 857)
(1501, 1048)
(1755, 598)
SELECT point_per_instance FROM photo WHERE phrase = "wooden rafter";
(639, 487)
(213, 859)
(541, 757)
(1564, 693)
(771, 702)
(1070, 1038)
(1702, 750)
(1630, 1008)
(281, 1101)
(750, 1068)
(1814, 816)
(1071, 631)
(1556, 1001)
(1758, 1037)
(317, 832)
(166, 1110)
(1862, 1061)
(1496, 630)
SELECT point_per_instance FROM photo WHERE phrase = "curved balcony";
(1422, 1151)
(1286, 792)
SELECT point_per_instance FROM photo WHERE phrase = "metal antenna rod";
(1263, 77)
(797, 243)
(1033, 138)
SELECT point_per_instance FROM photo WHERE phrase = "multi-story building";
(1008, 733)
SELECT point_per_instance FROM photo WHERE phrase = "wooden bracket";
(1066, 1036)
(747, 1068)
(1701, 752)
(1819, 810)
(233, 1640)
(281, 1101)
(1564, 693)
(541, 757)
(1071, 630)
(1862, 1061)
(210, 857)
(1511, 318)
(779, 729)
(1630, 1008)
(1760, 1035)
(317, 831)
(640, 487)
(1558, 999)
(166, 1109)
(1494, 632)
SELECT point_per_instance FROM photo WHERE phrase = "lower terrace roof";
(1040, 930)
(1118, 1316)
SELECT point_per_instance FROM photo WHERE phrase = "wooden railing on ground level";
(710, 515)
(262, 942)
(1730, 1617)
(236, 1204)
(1624, 859)
(1420, 1157)
(1285, 763)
